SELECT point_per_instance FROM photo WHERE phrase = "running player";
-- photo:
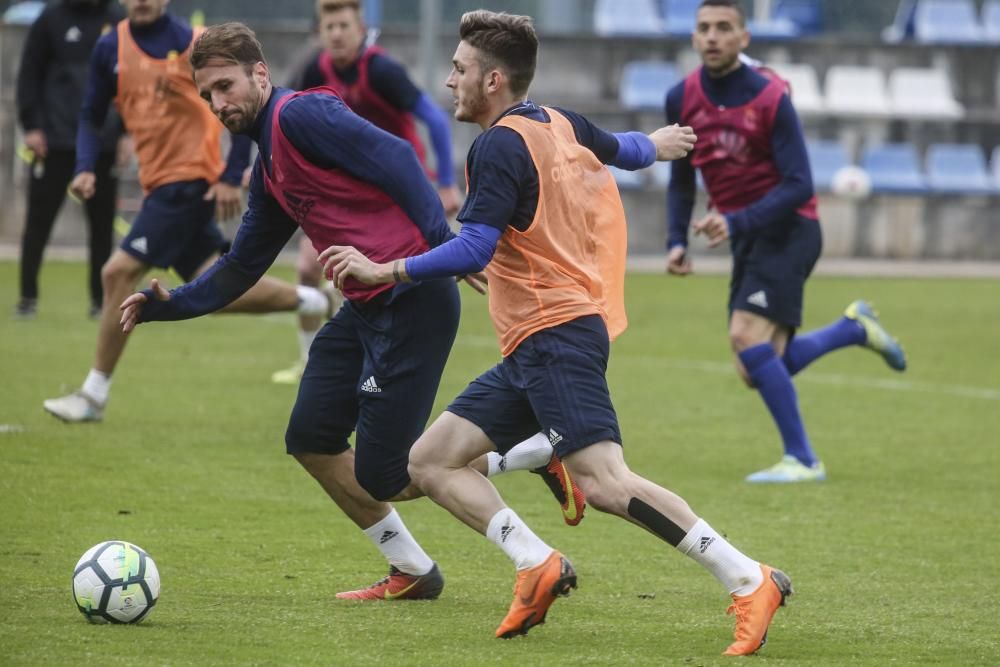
(143, 65)
(544, 218)
(753, 158)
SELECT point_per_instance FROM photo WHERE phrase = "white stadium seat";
(855, 90)
(922, 93)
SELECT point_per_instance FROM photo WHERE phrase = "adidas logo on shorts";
(758, 299)
(140, 245)
(370, 386)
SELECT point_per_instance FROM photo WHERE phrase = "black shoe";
(26, 309)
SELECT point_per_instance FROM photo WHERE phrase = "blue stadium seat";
(958, 169)
(894, 168)
(948, 22)
(628, 180)
(991, 20)
(775, 29)
(680, 16)
(627, 17)
(660, 174)
(807, 15)
(825, 158)
(644, 85)
(23, 13)
(996, 167)
(902, 26)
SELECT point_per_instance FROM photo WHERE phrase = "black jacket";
(55, 64)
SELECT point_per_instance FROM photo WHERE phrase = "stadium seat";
(644, 85)
(804, 84)
(894, 168)
(635, 18)
(991, 21)
(825, 158)
(807, 15)
(922, 93)
(995, 163)
(958, 169)
(679, 16)
(660, 174)
(775, 29)
(947, 21)
(23, 13)
(858, 90)
(628, 180)
(902, 26)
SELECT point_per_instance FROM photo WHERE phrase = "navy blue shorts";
(175, 228)
(553, 382)
(375, 368)
(770, 270)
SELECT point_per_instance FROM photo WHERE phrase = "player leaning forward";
(374, 368)
(544, 218)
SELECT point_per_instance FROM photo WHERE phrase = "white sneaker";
(76, 407)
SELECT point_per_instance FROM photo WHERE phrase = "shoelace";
(742, 610)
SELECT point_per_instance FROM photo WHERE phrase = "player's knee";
(116, 273)
(309, 273)
(378, 484)
(420, 470)
(604, 493)
(742, 338)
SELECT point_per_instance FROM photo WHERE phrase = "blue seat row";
(789, 19)
(945, 22)
(897, 168)
(955, 169)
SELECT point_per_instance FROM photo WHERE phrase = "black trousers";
(46, 194)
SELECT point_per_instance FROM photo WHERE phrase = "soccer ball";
(852, 182)
(115, 582)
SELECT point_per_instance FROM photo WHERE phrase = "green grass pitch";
(895, 559)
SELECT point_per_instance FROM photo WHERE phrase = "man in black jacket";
(50, 87)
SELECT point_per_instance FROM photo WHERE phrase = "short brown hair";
(507, 41)
(231, 43)
(330, 6)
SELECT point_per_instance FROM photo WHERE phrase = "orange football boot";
(400, 586)
(534, 592)
(755, 611)
(567, 494)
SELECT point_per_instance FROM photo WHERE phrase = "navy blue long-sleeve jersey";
(331, 136)
(787, 144)
(157, 40)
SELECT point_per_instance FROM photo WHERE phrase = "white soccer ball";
(115, 582)
(852, 182)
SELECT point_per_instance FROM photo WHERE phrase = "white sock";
(740, 574)
(532, 453)
(306, 339)
(522, 546)
(97, 386)
(398, 546)
(311, 301)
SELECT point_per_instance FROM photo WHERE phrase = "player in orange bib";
(545, 215)
(143, 66)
